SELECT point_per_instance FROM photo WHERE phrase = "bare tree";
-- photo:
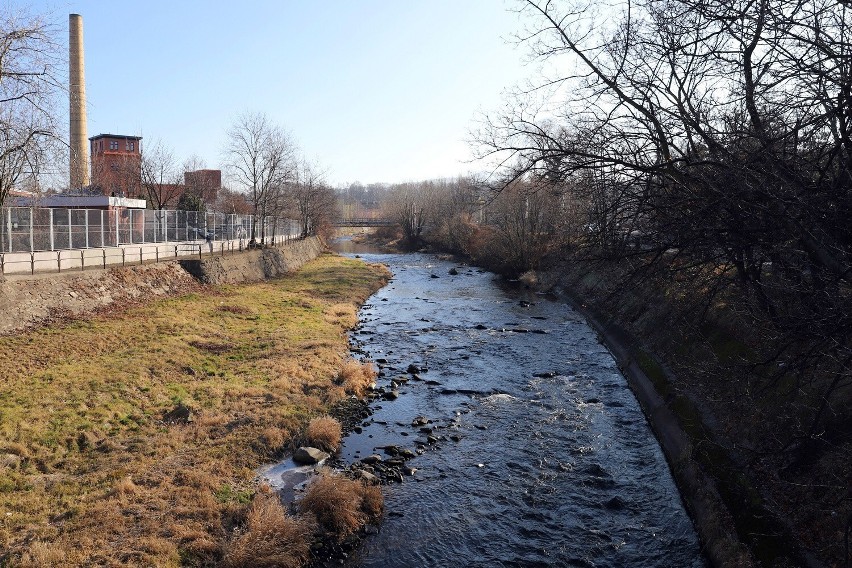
(27, 87)
(311, 199)
(711, 143)
(261, 158)
(407, 204)
(161, 179)
(453, 209)
(527, 221)
(719, 130)
(233, 202)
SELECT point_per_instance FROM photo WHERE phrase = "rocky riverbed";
(503, 432)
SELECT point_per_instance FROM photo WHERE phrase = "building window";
(113, 145)
(130, 146)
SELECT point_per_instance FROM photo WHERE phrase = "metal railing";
(34, 239)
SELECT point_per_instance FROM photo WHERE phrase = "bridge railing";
(363, 222)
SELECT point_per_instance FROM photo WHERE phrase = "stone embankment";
(255, 265)
(30, 301)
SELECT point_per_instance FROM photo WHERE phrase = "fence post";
(50, 217)
(2, 263)
(157, 254)
(103, 233)
(175, 251)
(86, 215)
(82, 260)
(123, 252)
(59, 261)
(117, 234)
(70, 231)
(104, 250)
(140, 255)
(32, 243)
(32, 262)
(9, 226)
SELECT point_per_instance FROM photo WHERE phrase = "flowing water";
(544, 457)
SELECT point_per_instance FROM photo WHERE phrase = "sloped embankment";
(132, 438)
(718, 419)
(26, 302)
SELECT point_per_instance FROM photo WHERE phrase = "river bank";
(132, 437)
(750, 507)
(723, 430)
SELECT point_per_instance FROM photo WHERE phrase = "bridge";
(363, 222)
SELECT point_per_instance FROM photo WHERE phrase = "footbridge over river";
(363, 222)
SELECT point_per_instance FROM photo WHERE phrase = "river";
(543, 457)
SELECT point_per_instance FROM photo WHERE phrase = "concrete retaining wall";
(256, 265)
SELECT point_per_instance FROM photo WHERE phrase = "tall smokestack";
(79, 158)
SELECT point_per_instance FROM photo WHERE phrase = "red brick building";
(117, 164)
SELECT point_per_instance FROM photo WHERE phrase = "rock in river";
(308, 455)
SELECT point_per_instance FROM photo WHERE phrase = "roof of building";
(122, 136)
(78, 201)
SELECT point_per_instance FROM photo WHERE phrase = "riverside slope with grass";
(133, 437)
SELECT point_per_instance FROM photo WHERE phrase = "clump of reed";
(271, 537)
(324, 432)
(357, 377)
(341, 506)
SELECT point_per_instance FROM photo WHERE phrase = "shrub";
(340, 505)
(324, 433)
(271, 538)
(357, 376)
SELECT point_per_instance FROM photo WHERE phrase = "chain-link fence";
(30, 229)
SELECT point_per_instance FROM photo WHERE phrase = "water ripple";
(551, 462)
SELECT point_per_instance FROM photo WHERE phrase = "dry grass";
(43, 555)
(372, 502)
(271, 537)
(357, 377)
(344, 315)
(273, 439)
(324, 432)
(125, 487)
(341, 506)
(101, 479)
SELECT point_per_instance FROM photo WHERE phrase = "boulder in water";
(307, 455)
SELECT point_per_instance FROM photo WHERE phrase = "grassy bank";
(132, 438)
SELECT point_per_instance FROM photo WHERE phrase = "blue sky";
(374, 91)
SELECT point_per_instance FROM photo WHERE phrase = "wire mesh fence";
(32, 229)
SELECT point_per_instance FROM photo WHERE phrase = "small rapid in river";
(540, 454)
